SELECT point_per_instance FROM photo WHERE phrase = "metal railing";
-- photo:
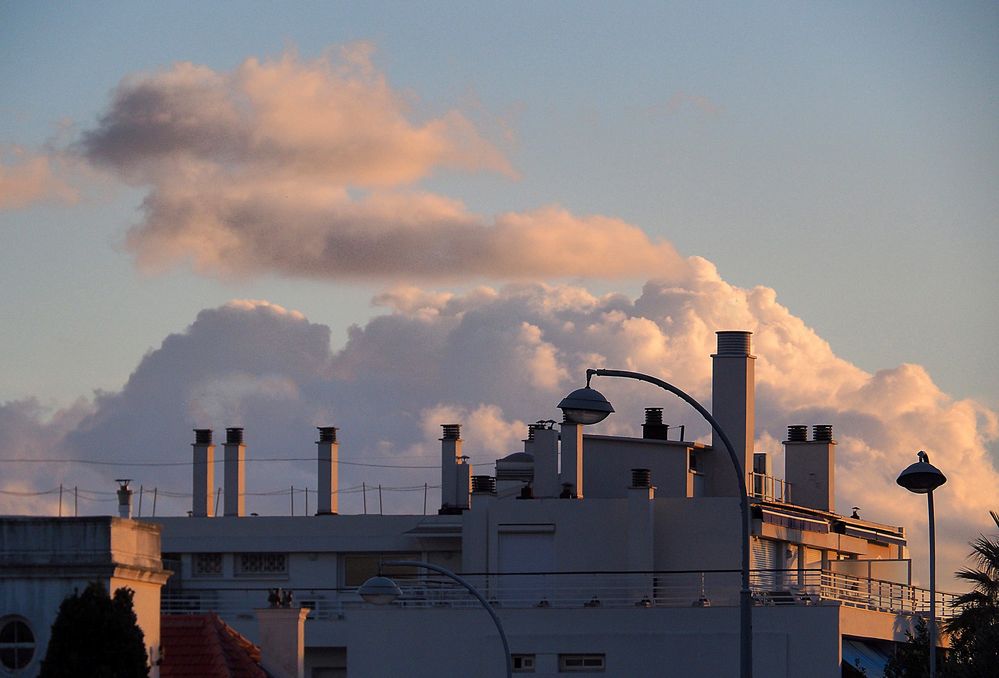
(768, 488)
(593, 590)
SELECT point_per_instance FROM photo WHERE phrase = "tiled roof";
(204, 646)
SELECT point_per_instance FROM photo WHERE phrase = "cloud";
(312, 169)
(27, 178)
(493, 359)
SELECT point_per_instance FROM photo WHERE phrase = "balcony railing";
(768, 488)
(717, 588)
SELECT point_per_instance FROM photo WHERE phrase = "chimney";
(204, 473)
(282, 640)
(733, 405)
(235, 473)
(572, 459)
(328, 468)
(542, 443)
(455, 471)
(641, 530)
(124, 498)
(810, 467)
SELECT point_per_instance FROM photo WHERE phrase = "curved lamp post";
(922, 478)
(382, 591)
(588, 406)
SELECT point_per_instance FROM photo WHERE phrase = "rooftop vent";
(822, 432)
(734, 343)
(202, 436)
(797, 434)
(654, 428)
(484, 484)
(234, 436)
(451, 431)
(641, 477)
(327, 434)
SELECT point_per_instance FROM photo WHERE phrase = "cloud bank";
(494, 359)
(27, 178)
(312, 168)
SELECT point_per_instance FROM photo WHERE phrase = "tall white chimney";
(810, 467)
(572, 458)
(235, 473)
(124, 498)
(282, 640)
(733, 404)
(204, 473)
(456, 473)
(328, 470)
(542, 442)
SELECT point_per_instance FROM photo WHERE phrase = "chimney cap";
(327, 434)
(451, 431)
(202, 436)
(234, 435)
(734, 342)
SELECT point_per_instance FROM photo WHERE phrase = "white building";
(45, 560)
(600, 554)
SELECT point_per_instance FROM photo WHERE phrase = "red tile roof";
(204, 646)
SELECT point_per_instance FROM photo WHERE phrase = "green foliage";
(975, 629)
(96, 635)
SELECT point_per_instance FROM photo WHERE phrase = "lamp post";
(588, 406)
(922, 478)
(382, 591)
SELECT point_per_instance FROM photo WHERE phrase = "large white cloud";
(311, 169)
(494, 359)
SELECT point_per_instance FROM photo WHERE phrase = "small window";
(265, 564)
(17, 643)
(207, 564)
(359, 567)
(580, 663)
(523, 663)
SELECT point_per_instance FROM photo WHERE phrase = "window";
(580, 663)
(523, 663)
(359, 567)
(207, 564)
(266, 564)
(17, 643)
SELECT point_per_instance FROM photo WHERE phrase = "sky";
(385, 216)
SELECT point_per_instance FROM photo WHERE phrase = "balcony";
(710, 588)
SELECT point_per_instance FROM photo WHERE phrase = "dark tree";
(911, 659)
(975, 629)
(96, 635)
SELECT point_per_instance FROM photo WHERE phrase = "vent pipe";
(124, 498)
(328, 456)
(203, 473)
(234, 453)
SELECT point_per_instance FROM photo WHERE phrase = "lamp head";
(921, 477)
(585, 406)
(379, 590)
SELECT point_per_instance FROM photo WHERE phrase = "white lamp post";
(589, 406)
(382, 591)
(922, 478)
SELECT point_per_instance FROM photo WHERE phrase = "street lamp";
(589, 406)
(382, 591)
(922, 478)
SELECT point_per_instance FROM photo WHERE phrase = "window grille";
(17, 644)
(581, 663)
(207, 564)
(262, 563)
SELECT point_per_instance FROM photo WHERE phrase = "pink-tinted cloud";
(29, 178)
(495, 358)
(311, 169)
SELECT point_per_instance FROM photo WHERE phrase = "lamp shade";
(921, 477)
(585, 406)
(379, 590)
